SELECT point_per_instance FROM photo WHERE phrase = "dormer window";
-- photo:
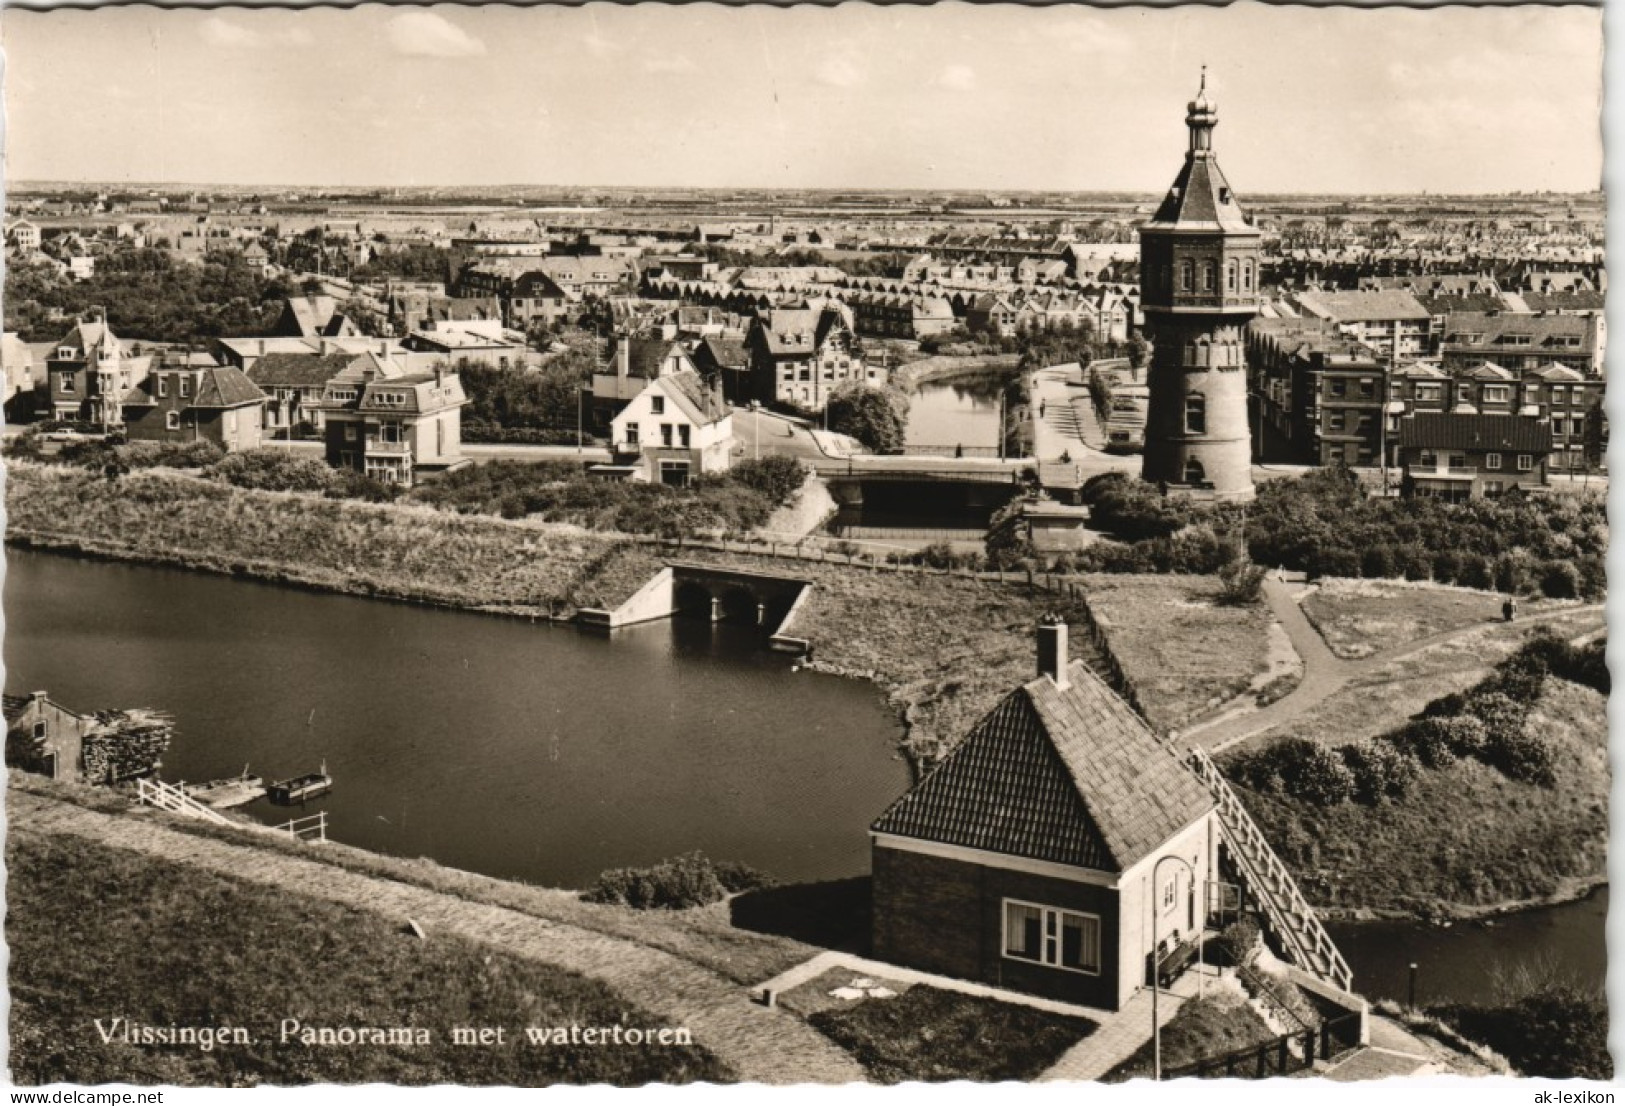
(163, 387)
(1224, 195)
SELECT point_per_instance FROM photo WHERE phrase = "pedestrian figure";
(1509, 609)
(1042, 404)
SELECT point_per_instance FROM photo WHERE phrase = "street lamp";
(1156, 958)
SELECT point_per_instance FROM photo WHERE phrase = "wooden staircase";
(166, 796)
(1288, 915)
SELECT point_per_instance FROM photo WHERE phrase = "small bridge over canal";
(717, 593)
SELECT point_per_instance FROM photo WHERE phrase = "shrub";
(1429, 740)
(1241, 942)
(735, 877)
(1503, 716)
(1377, 562)
(1559, 1032)
(1413, 562)
(350, 484)
(1379, 770)
(1512, 573)
(184, 455)
(1475, 572)
(1299, 768)
(1521, 755)
(777, 478)
(675, 884)
(1241, 583)
(1447, 566)
(1560, 580)
(274, 470)
(1334, 560)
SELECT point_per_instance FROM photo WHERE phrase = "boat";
(299, 789)
(224, 794)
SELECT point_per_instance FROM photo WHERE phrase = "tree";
(874, 416)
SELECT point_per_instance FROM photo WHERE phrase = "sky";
(950, 96)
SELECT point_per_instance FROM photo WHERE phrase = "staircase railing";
(1291, 918)
(166, 796)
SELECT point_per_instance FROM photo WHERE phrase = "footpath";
(761, 1045)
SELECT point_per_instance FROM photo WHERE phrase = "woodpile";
(125, 744)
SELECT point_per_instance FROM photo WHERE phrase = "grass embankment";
(1467, 838)
(102, 924)
(1186, 652)
(705, 936)
(392, 551)
(1361, 617)
(945, 649)
(929, 1035)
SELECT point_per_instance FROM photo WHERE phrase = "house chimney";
(262, 347)
(38, 696)
(623, 358)
(1052, 651)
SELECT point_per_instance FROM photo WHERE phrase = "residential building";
(293, 384)
(1468, 456)
(990, 312)
(633, 362)
(91, 372)
(1199, 261)
(726, 360)
(24, 235)
(1523, 341)
(538, 298)
(17, 366)
(391, 424)
(245, 352)
(800, 355)
(1393, 323)
(185, 403)
(475, 342)
(1031, 857)
(677, 427)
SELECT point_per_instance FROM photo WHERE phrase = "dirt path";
(761, 1045)
(1324, 673)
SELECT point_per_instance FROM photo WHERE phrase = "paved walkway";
(1123, 1032)
(761, 1045)
(1324, 673)
(1392, 1051)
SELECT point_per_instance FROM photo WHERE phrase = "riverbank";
(945, 367)
(943, 648)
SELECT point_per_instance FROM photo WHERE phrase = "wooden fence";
(1283, 1055)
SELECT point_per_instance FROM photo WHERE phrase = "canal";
(520, 750)
(957, 415)
(1465, 962)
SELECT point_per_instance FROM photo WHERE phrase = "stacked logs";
(124, 744)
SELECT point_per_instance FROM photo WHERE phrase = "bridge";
(687, 589)
(915, 469)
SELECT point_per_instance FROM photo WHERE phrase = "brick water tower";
(1199, 273)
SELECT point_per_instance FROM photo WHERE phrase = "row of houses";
(380, 410)
(1325, 399)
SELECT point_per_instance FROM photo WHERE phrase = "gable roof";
(218, 387)
(700, 403)
(1072, 776)
(1512, 433)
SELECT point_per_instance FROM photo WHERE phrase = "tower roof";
(1201, 198)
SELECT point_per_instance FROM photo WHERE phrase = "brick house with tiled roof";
(189, 403)
(1460, 456)
(1026, 858)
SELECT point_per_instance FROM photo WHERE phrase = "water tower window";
(1195, 414)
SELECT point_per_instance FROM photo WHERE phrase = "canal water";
(1467, 961)
(520, 750)
(950, 415)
